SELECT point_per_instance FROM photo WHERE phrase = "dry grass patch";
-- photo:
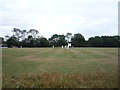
(60, 80)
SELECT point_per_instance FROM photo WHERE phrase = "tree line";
(31, 38)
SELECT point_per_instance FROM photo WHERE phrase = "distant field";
(38, 61)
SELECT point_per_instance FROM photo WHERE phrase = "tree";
(104, 41)
(16, 33)
(42, 42)
(29, 42)
(78, 40)
(7, 37)
(58, 40)
(54, 40)
(23, 34)
(96, 41)
(62, 40)
(30, 39)
(33, 33)
(13, 41)
(1, 41)
(110, 41)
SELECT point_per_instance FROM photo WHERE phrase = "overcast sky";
(88, 17)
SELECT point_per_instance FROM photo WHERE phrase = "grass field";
(86, 67)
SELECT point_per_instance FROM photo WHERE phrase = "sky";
(87, 17)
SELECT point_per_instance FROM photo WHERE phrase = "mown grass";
(30, 67)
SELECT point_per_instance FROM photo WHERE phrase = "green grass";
(17, 61)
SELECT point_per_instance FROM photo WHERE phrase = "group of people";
(66, 46)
